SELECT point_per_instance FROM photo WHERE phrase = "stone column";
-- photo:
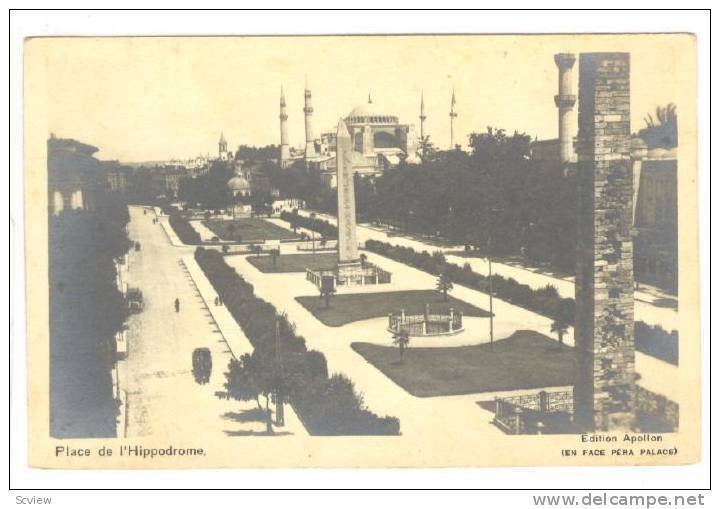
(604, 321)
(565, 101)
(348, 259)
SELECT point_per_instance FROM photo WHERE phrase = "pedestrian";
(217, 301)
(177, 305)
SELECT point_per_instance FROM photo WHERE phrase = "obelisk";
(348, 259)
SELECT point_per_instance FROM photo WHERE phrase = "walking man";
(177, 305)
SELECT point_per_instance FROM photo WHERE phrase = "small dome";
(238, 183)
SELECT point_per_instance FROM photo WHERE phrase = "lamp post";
(491, 289)
(312, 231)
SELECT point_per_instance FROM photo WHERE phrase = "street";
(163, 398)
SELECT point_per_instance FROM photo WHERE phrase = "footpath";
(234, 337)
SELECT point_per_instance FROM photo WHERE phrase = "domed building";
(239, 187)
(380, 137)
(380, 140)
(240, 191)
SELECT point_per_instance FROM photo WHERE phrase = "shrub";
(185, 232)
(657, 342)
(321, 226)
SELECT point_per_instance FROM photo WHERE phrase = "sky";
(149, 99)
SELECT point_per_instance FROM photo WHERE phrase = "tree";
(401, 339)
(444, 284)
(661, 130)
(427, 149)
(663, 114)
(240, 381)
(316, 365)
(559, 326)
(209, 189)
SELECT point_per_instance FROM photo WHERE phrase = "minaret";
(309, 136)
(565, 101)
(422, 116)
(453, 116)
(222, 148)
(284, 147)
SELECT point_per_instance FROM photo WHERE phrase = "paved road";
(163, 398)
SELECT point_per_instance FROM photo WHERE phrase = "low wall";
(654, 413)
(426, 325)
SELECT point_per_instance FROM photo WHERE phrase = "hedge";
(184, 230)
(326, 405)
(327, 230)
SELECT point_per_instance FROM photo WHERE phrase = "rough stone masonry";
(604, 389)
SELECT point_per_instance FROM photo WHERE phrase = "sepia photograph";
(419, 251)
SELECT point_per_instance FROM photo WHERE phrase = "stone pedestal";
(604, 320)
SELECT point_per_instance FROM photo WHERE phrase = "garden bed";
(525, 360)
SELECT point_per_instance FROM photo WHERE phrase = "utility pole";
(279, 408)
(312, 232)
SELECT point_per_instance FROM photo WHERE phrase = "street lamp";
(492, 336)
(312, 231)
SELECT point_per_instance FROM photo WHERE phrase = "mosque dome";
(238, 183)
(370, 113)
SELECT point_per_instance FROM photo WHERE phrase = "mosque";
(380, 141)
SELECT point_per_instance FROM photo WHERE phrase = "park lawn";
(252, 229)
(295, 262)
(347, 308)
(525, 360)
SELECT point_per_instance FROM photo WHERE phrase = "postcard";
(362, 251)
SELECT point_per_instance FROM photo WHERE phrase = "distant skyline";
(151, 99)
